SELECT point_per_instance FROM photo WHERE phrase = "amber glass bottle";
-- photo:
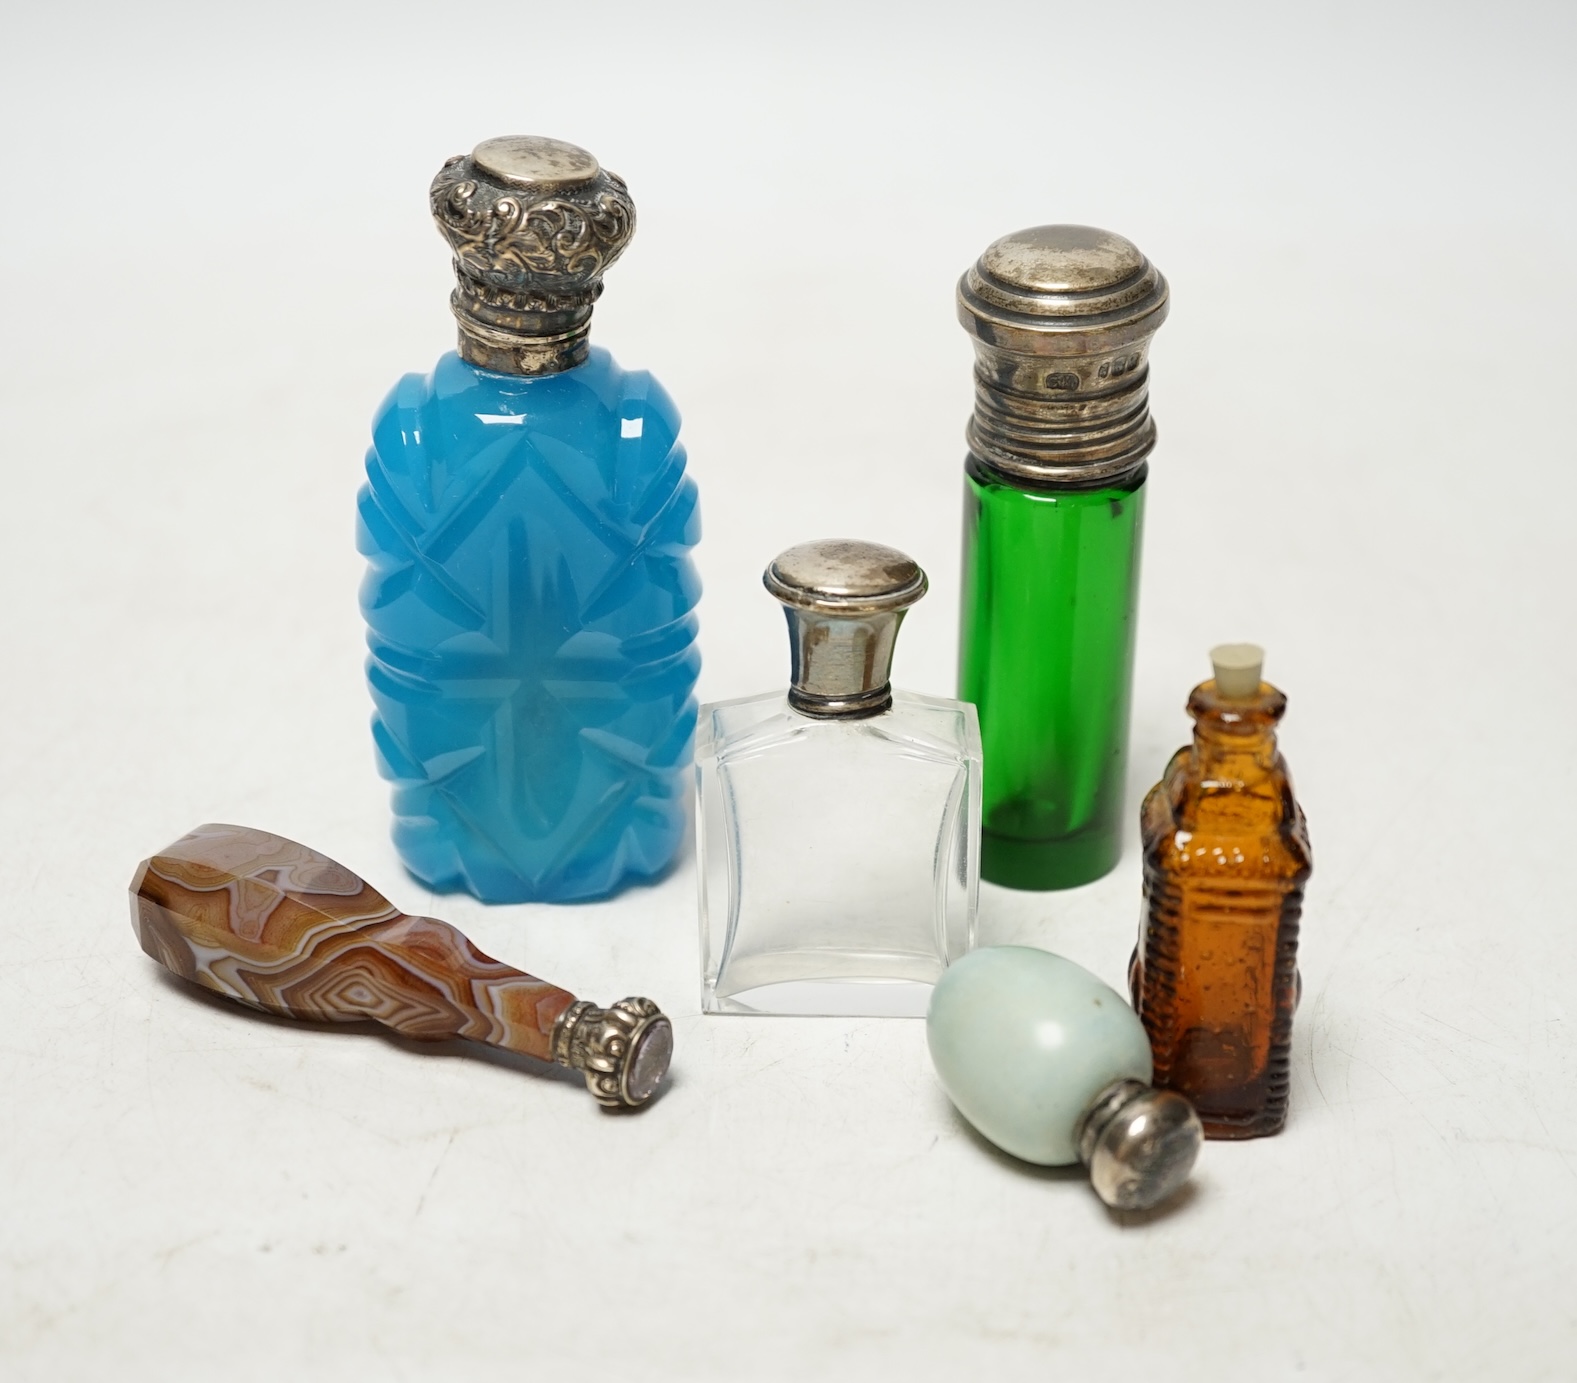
(1226, 857)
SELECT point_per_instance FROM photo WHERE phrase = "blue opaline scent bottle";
(528, 524)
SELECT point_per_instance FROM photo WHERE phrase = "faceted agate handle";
(281, 928)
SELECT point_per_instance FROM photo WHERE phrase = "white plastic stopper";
(1238, 667)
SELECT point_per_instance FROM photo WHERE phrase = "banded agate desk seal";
(281, 928)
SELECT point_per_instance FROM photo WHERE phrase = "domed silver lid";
(1062, 290)
(1061, 317)
(844, 600)
(1139, 1143)
(534, 162)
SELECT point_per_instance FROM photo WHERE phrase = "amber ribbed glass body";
(1226, 857)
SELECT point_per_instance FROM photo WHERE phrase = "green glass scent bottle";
(1061, 318)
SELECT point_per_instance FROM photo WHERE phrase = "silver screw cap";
(844, 600)
(1139, 1144)
(1062, 291)
(1061, 317)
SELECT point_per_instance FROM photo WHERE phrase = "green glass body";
(1051, 591)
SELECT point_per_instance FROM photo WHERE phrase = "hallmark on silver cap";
(1061, 317)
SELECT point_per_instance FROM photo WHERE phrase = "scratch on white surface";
(1315, 1019)
(1453, 1027)
(1384, 837)
(1402, 1092)
(1551, 1142)
(165, 1255)
(437, 1167)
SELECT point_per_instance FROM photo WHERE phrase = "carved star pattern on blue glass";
(530, 594)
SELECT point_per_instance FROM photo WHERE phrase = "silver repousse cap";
(1139, 1144)
(534, 223)
(844, 600)
(622, 1050)
(1061, 318)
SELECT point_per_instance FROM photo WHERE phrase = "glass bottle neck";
(1235, 756)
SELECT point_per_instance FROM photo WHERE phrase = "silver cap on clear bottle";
(1061, 318)
(844, 600)
(533, 223)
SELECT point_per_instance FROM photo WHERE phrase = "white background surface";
(215, 258)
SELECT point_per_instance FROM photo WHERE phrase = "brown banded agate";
(279, 927)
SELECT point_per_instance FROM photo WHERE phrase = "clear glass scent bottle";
(1061, 318)
(528, 524)
(1226, 858)
(839, 823)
